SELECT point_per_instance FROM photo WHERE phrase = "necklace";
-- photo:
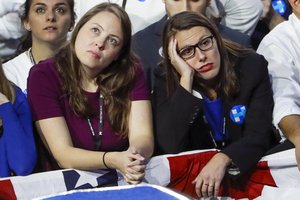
(98, 138)
(31, 56)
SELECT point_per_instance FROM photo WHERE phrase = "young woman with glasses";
(211, 93)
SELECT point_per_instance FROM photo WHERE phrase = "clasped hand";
(132, 166)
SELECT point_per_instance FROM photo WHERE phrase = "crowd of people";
(90, 92)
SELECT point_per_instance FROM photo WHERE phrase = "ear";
(72, 26)
(26, 25)
(294, 2)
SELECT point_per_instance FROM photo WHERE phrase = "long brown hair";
(229, 53)
(114, 81)
(6, 88)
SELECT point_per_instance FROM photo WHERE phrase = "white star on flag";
(89, 177)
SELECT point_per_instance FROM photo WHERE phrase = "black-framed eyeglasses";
(189, 52)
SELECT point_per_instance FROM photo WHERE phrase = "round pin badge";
(238, 114)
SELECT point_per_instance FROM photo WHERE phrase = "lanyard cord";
(31, 56)
(97, 138)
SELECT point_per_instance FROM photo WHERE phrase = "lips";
(50, 28)
(205, 68)
(94, 54)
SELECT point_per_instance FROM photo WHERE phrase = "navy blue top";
(17, 147)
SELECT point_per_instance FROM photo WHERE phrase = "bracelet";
(103, 160)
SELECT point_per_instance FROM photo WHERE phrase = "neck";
(43, 51)
(210, 89)
(89, 84)
(212, 94)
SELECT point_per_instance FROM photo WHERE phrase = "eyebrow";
(200, 39)
(43, 4)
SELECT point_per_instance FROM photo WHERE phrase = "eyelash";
(95, 30)
(40, 10)
(43, 10)
(113, 41)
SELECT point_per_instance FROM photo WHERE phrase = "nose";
(51, 16)
(201, 55)
(186, 6)
(100, 43)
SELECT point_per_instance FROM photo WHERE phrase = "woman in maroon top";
(90, 103)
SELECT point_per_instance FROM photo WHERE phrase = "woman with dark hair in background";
(48, 23)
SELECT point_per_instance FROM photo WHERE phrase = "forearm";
(76, 158)
(144, 146)
(186, 81)
(63, 150)
(19, 143)
(141, 128)
(290, 126)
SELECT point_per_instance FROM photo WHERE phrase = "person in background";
(11, 29)
(211, 93)
(270, 17)
(48, 23)
(240, 15)
(147, 42)
(281, 47)
(17, 146)
(141, 13)
(269, 20)
(90, 102)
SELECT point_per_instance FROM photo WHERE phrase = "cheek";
(77, 46)
(115, 53)
(80, 39)
(192, 63)
(66, 22)
(111, 56)
(35, 24)
(217, 60)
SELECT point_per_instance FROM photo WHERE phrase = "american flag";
(276, 176)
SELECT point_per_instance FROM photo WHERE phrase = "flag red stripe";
(7, 190)
(185, 168)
